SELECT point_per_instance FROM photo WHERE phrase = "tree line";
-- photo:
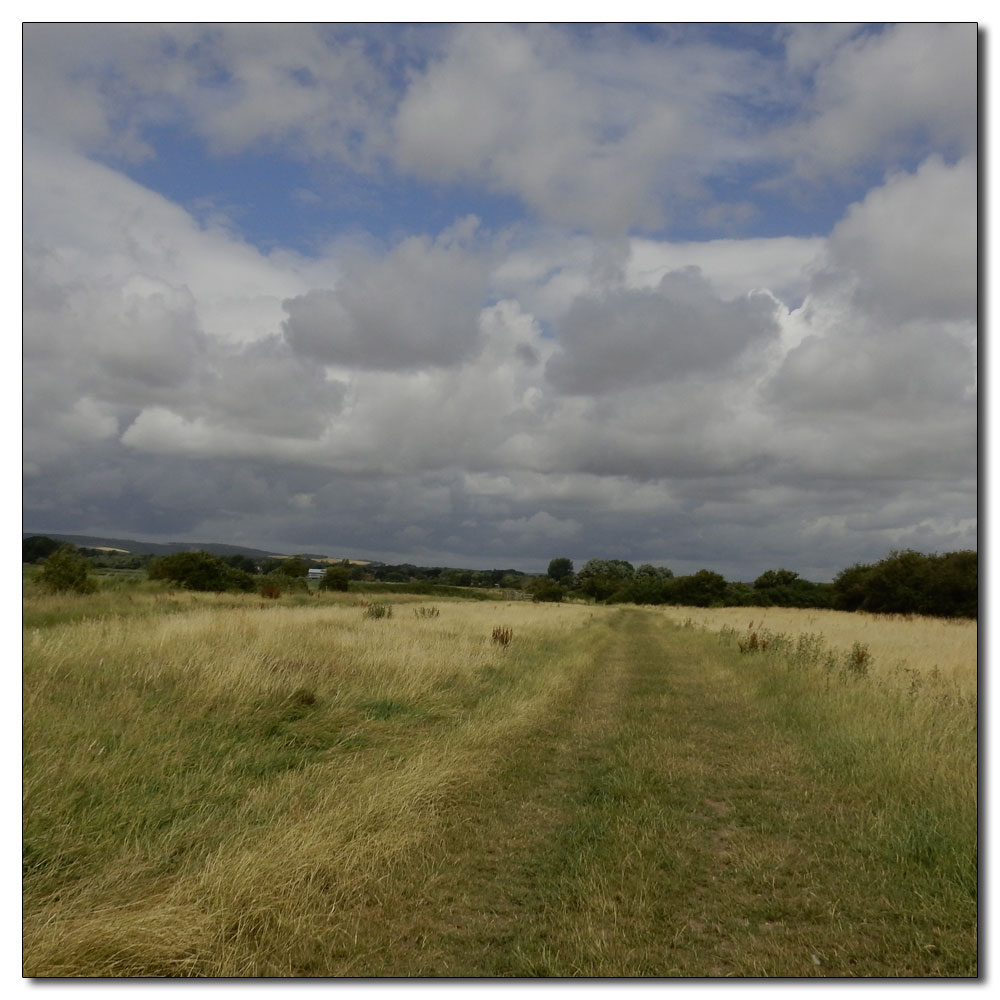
(904, 582)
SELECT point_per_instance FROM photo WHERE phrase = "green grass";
(243, 788)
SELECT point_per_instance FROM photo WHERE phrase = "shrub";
(200, 571)
(909, 582)
(286, 584)
(67, 570)
(335, 578)
(294, 567)
(545, 589)
(38, 547)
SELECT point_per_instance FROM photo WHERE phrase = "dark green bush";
(908, 582)
(38, 547)
(200, 571)
(65, 570)
(545, 589)
(336, 578)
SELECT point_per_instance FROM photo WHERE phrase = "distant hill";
(160, 548)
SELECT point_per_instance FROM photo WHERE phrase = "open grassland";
(226, 786)
(944, 649)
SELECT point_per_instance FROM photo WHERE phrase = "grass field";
(226, 786)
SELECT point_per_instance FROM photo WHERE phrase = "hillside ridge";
(163, 548)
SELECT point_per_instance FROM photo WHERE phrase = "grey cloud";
(881, 95)
(416, 307)
(264, 388)
(314, 90)
(527, 354)
(889, 324)
(562, 123)
(876, 372)
(909, 248)
(630, 338)
(605, 131)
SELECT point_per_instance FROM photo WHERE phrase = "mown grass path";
(658, 823)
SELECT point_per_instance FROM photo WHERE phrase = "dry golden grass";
(949, 646)
(226, 786)
(202, 783)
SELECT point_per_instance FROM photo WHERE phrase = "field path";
(655, 824)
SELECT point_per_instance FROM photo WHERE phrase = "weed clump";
(858, 660)
(427, 612)
(376, 610)
(502, 635)
(755, 642)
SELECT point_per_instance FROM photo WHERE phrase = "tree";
(654, 572)
(702, 589)
(560, 569)
(199, 571)
(241, 562)
(335, 578)
(775, 578)
(295, 566)
(601, 578)
(908, 582)
(38, 547)
(67, 570)
(850, 587)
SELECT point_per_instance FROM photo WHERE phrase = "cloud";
(540, 527)
(909, 247)
(602, 128)
(889, 328)
(630, 338)
(417, 306)
(561, 121)
(879, 96)
(552, 384)
(314, 91)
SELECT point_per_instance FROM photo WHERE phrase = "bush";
(703, 589)
(38, 547)
(335, 578)
(545, 589)
(294, 567)
(286, 584)
(67, 571)
(912, 583)
(200, 571)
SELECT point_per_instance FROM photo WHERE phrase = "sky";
(484, 295)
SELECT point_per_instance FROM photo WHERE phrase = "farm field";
(320, 786)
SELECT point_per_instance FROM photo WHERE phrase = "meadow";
(328, 785)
